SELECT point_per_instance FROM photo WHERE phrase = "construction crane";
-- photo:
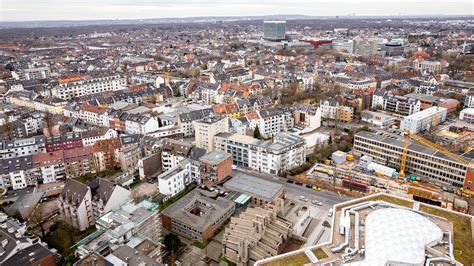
(432, 145)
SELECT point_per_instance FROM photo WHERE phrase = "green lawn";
(64, 236)
(201, 245)
(463, 242)
(396, 201)
(319, 253)
(298, 259)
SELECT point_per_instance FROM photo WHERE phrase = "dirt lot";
(144, 189)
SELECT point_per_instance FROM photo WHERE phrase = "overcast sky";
(24, 10)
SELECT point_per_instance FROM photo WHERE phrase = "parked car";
(299, 183)
(303, 198)
(308, 186)
(316, 188)
(330, 212)
(290, 181)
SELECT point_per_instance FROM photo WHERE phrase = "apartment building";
(127, 234)
(307, 116)
(283, 153)
(90, 85)
(175, 179)
(271, 122)
(17, 173)
(424, 162)
(185, 120)
(205, 130)
(80, 203)
(255, 234)
(19, 248)
(141, 124)
(79, 161)
(173, 152)
(214, 167)
(129, 157)
(22, 147)
(75, 205)
(467, 115)
(40, 72)
(196, 216)
(400, 104)
(331, 109)
(428, 101)
(424, 120)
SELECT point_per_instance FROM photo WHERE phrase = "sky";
(30, 10)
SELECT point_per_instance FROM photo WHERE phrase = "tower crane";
(425, 142)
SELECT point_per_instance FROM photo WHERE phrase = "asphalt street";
(293, 191)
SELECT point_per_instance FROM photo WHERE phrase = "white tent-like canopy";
(397, 236)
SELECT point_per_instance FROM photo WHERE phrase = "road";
(293, 191)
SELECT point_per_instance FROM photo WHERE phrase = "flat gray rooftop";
(253, 186)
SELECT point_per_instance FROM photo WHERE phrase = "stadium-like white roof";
(397, 236)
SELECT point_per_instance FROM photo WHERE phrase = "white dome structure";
(397, 236)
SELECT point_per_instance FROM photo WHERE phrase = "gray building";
(274, 30)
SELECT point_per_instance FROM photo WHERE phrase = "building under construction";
(422, 161)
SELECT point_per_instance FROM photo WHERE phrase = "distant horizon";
(86, 10)
(301, 16)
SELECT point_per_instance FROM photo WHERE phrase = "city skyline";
(27, 10)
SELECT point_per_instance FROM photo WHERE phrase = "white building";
(467, 115)
(73, 89)
(175, 179)
(207, 128)
(285, 152)
(424, 120)
(173, 152)
(141, 124)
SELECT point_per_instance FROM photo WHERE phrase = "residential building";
(307, 116)
(196, 216)
(75, 205)
(215, 167)
(276, 156)
(185, 120)
(424, 65)
(80, 203)
(18, 248)
(173, 152)
(128, 234)
(79, 161)
(174, 180)
(400, 104)
(22, 147)
(331, 109)
(424, 120)
(86, 86)
(129, 157)
(428, 101)
(38, 72)
(205, 130)
(141, 124)
(467, 115)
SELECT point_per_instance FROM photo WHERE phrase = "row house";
(253, 104)
(17, 173)
(37, 102)
(106, 153)
(307, 116)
